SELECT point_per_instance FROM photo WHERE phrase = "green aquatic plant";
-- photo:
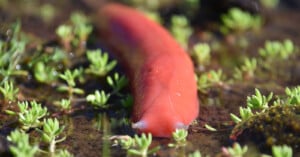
(271, 4)
(201, 53)
(260, 125)
(210, 79)
(64, 104)
(66, 36)
(63, 153)
(70, 77)
(293, 95)
(11, 52)
(81, 27)
(236, 150)
(181, 29)
(282, 151)
(255, 102)
(179, 136)
(44, 73)
(245, 114)
(51, 133)
(100, 65)
(73, 36)
(117, 82)
(127, 101)
(9, 91)
(141, 146)
(137, 146)
(246, 70)
(239, 21)
(259, 101)
(276, 49)
(98, 99)
(20, 146)
(30, 114)
(210, 128)
(196, 153)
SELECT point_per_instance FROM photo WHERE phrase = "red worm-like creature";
(161, 73)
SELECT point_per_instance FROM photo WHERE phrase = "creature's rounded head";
(159, 125)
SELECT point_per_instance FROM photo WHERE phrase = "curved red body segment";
(160, 71)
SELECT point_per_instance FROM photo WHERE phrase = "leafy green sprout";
(239, 21)
(98, 99)
(127, 102)
(209, 79)
(259, 101)
(44, 73)
(64, 104)
(245, 114)
(201, 53)
(141, 146)
(246, 70)
(117, 82)
(100, 65)
(9, 91)
(66, 35)
(70, 77)
(210, 128)
(237, 150)
(197, 153)
(269, 3)
(181, 29)
(20, 146)
(51, 132)
(63, 153)
(179, 136)
(82, 28)
(275, 49)
(293, 95)
(282, 151)
(30, 117)
(11, 52)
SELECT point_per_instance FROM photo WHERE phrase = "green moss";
(278, 125)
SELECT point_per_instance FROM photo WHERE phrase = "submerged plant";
(20, 146)
(99, 63)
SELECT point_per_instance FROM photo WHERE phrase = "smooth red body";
(160, 71)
